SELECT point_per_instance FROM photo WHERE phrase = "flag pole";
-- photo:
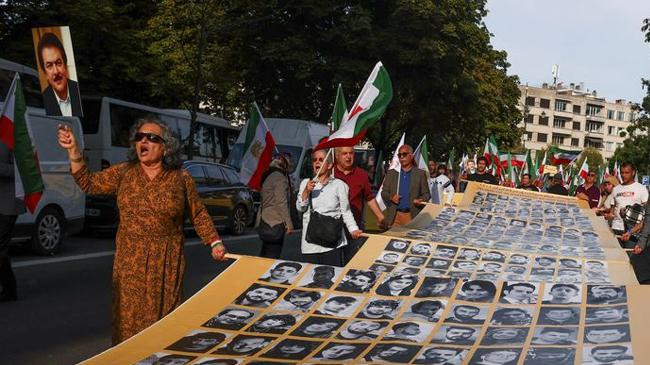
(266, 126)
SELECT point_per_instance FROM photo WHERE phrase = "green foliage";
(594, 159)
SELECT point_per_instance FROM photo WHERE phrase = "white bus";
(107, 122)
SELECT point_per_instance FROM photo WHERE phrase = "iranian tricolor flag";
(617, 172)
(529, 167)
(394, 165)
(421, 156)
(584, 170)
(563, 157)
(491, 153)
(340, 112)
(258, 149)
(540, 168)
(15, 134)
(517, 160)
(369, 107)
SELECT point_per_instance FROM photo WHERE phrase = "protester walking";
(589, 191)
(10, 208)
(275, 219)
(360, 192)
(405, 192)
(324, 203)
(153, 192)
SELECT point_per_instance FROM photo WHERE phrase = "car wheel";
(49, 230)
(239, 220)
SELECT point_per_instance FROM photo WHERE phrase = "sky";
(598, 42)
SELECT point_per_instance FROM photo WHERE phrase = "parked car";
(227, 199)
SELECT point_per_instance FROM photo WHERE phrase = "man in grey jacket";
(9, 211)
(404, 204)
(275, 206)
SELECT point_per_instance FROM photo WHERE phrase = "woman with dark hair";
(292, 349)
(153, 193)
(198, 342)
(397, 285)
(477, 291)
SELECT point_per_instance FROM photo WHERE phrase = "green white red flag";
(491, 153)
(14, 132)
(584, 170)
(517, 160)
(562, 157)
(340, 111)
(421, 156)
(394, 165)
(366, 110)
(258, 149)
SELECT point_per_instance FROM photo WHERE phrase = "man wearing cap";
(557, 187)
(588, 191)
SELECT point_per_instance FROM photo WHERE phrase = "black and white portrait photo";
(559, 316)
(422, 249)
(608, 314)
(438, 263)
(494, 256)
(397, 285)
(276, 323)
(517, 259)
(436, 287)
(606, 294)
(397, 245)
(445, 252)
(232, 318)
(245, 345)
(426, 310)
(550, 355)
(519, 293)
(562, 294)
(620, 354)
(389, 257)
(505, 336)
(198, 341)
(298, 300)
(339, 305)
(461, 265)
(259, 296)
(283, 272)
(512, 316)
(340, 351)
(357, 281)
(318, 327)
(392, 353)
(292, 349)
(457, 335)
(217, 361)
(469, 254)
(165, 358)
(380, 309)
(605, 334)
(362, 329)
(500, 356)
(466, 314)
(322, 277)
(408, 331)
(477, 291)
(378, 268)
(436, 355)
(555, 336)
(414, 260)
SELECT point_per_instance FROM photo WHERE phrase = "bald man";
(404, 200)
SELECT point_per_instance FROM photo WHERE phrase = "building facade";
(572, 118)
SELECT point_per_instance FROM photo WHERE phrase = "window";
(575, 142)
(528, 136)
(197, 173)
(31, 87)
(611, 130)
(558, 123)
(216, 175)
(544, 103)
(632, 116)
(541, 137)
(557, 139)
(90, 120)
(609, 146)
(206, 143)
(610, 114)
(576, 109)
(122, 119)
(231, 175)
(620, 116)
(529, 118)
(530, 100)
(593, 143)
(543, 120)
(594, 127)
(576, 126)
(593, 110)
(560, 105)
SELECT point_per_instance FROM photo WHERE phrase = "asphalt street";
(63, 313)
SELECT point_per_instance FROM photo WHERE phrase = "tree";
(636, 148)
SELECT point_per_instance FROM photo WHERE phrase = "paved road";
(63, 312)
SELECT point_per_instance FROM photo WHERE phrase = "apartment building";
(573, 118)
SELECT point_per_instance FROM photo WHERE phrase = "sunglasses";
(403, 154)
(151, 137)
(319, 159)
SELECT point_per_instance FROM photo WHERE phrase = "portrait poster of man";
(165, 358)
(198, 341)
(57, 72)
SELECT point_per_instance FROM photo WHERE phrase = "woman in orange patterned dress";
(153, 192)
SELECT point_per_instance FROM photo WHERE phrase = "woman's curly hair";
(172, 158)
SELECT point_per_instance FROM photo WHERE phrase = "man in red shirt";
(359, 184)
(589, 191)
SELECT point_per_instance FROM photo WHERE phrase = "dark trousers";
(272, 250)
(7, 278)
(331, 258)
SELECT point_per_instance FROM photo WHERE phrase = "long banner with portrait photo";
(423, 298)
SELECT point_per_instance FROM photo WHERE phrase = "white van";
(61, 208)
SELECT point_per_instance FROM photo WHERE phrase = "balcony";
(595, 118)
